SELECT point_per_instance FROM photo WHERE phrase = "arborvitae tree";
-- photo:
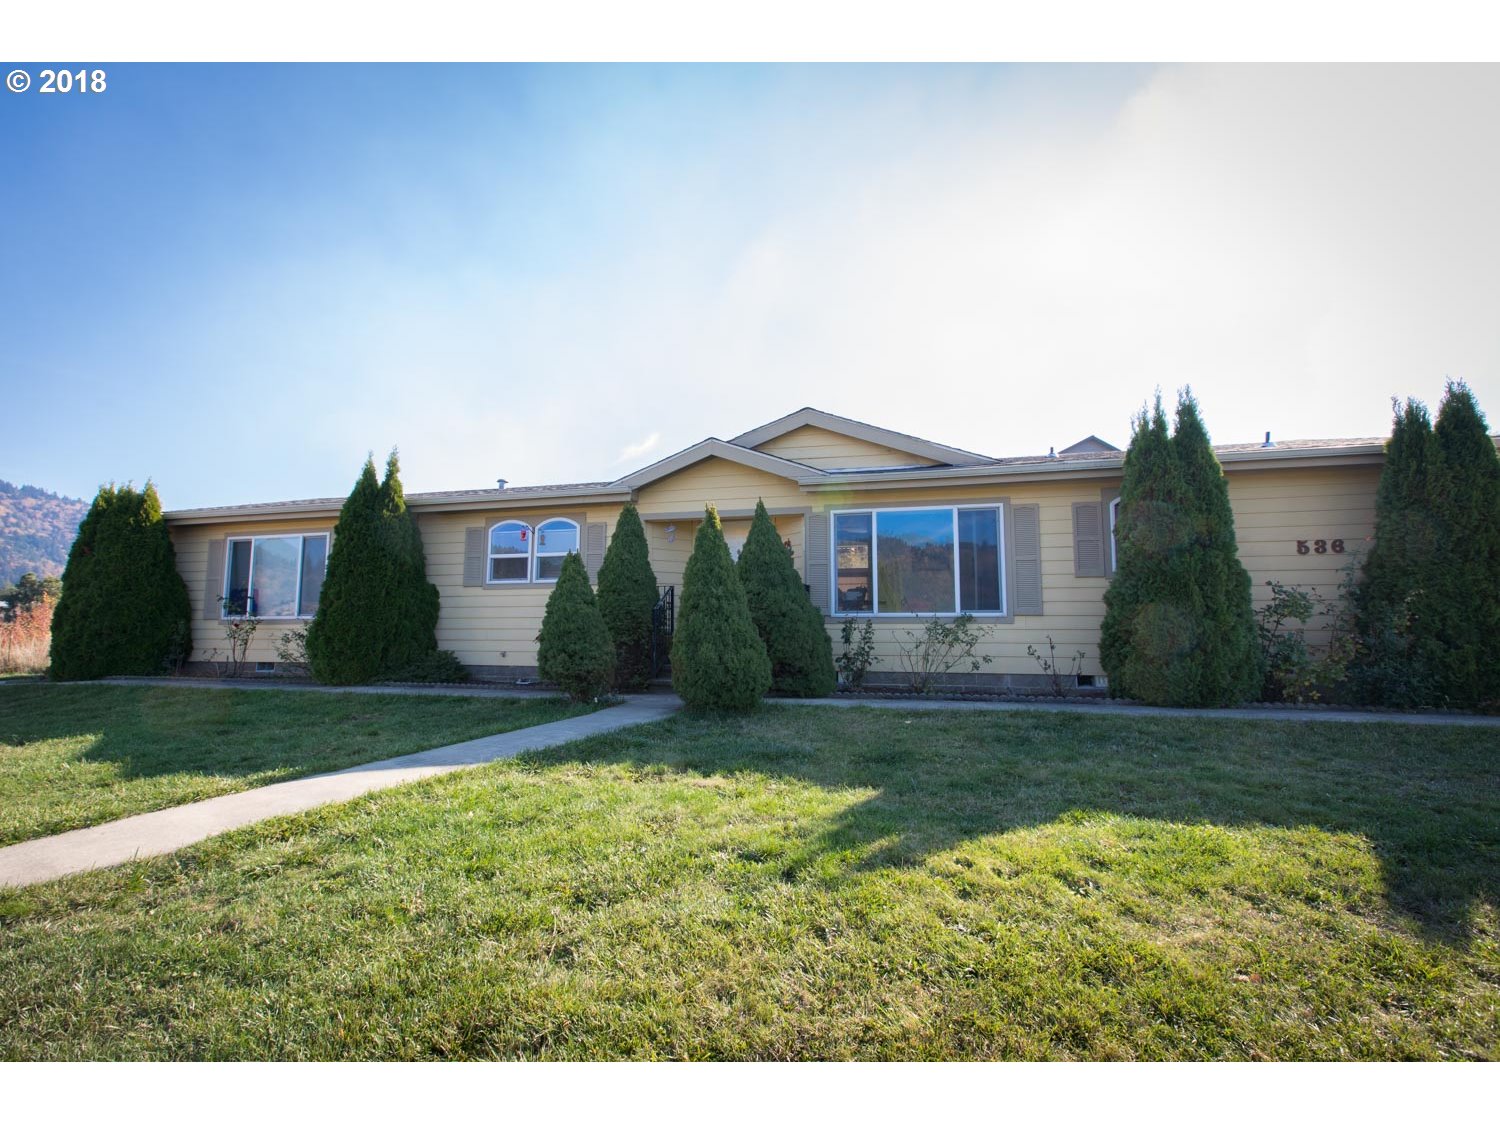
(1393, 601)
(790, 626)
(1148, 611)
(574, 647)
(1178, 627)
(718, 660)
(1225, 663)
(627, 595)
(1466, 582)
(346, 640)
(124, 607)
(411, 614)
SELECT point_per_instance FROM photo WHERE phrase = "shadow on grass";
(151, 732)
(1426, 799)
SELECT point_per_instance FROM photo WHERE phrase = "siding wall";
(192, 547)
(825, 450)
(497, 626)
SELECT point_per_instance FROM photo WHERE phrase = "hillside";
(36, 529)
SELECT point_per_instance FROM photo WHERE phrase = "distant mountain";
(36, 529)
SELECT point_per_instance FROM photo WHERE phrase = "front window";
(554, 540)
(906, 561)
(274, 576)
(510, 552)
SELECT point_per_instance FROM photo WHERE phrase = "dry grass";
(25, 640)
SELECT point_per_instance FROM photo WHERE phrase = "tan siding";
(824, 449)
(191, 544)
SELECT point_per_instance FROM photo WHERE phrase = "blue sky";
(236, 280)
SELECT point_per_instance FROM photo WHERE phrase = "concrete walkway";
(166, 830)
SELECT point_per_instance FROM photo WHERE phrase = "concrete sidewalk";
(166, 830)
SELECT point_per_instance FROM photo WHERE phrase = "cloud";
(645, 445)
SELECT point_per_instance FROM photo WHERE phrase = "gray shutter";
(815, 558)
(213, 580)
(593, 550)
(1088, 540)
(1027, 519)
(473, 556)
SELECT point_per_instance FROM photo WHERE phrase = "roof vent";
(500, 484)
(1268, 443)
(1052, 453)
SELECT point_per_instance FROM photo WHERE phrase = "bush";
(377, 613)
(1428, 600)
(1179, 628)
(439, 667)
(940, 647)
(123, 604)
(627, 595)
(789, 625)
(574, 647)
(859, 651)
(719, 662)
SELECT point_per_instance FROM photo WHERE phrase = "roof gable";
(714, 447)
(848, 427)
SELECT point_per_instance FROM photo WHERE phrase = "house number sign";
(1320, 546)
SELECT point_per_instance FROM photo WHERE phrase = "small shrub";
(575, 651)
(939, 648)
(238, 633)
(438, 667)
(719, 662)
(1059, 682)
(291, 651)
(859, 651)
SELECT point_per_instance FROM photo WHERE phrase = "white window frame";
(490, 556)
(301, 538)
(537, 554)
(874, 514)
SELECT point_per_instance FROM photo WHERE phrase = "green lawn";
(72, 755)
(818, 883)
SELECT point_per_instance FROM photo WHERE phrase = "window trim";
(301, 537)
(1003, 550)
(537, 554)
(490, 556)
(1113, 507)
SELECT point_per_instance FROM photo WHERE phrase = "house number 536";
(1320, 546)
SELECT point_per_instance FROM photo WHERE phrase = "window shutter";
(1088, 540)
(213, 580)
(815, 559)
(1027, 519)
(593, 550)
(473, 556)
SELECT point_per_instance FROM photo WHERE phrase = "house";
(881, 525)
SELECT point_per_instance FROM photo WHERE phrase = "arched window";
(554, 539)
(510, 552)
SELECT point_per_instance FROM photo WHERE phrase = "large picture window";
(905, 561)
(274, 575)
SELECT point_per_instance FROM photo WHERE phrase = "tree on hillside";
(1178, 628)
(124, 606)
(1399, 651)
(1466, 581)
(574, 649)
(344, 641)
(789, 625)
(29, 591)
(627, 595)
(718, 660)
(411, 607)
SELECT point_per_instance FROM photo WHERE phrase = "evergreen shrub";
(627, 595)
(575, 651)
(719, 662)
(789, 625)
